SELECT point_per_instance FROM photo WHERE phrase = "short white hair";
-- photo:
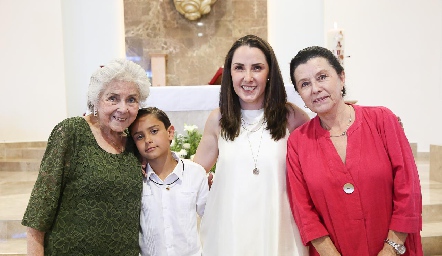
(117, 70)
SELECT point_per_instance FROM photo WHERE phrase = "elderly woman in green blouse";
(86, 200)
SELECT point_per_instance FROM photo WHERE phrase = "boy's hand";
(143, 168)
(210, 179)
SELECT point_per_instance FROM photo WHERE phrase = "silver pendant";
(255, 171)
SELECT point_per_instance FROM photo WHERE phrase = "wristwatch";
(399, 248)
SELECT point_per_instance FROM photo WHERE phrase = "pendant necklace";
(255, 159)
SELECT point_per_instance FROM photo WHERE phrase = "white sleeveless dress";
(249, 214)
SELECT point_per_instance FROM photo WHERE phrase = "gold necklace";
(114, 144)
(344, 132)
(108, 138)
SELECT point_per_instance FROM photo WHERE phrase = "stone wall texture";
(195, 49)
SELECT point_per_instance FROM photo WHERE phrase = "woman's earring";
(95, 112)
(305, 106)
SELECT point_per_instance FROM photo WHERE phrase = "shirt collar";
(178, 171)
(179, 168)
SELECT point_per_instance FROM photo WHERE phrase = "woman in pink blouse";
(352, 181)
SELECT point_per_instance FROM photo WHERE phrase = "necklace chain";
(119, 148)
(168, 185)
(243, 123)
(250, 124)
(346, 129)
(255, 159)
(108, 138)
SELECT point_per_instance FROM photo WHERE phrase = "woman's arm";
(296, 117)
(45, 197)
(207, 151)
(304, 211)
(324, 246)
(407, 197)
(35, 242)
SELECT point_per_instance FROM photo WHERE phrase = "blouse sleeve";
(304, 212)
(407, 197)
(47, 191)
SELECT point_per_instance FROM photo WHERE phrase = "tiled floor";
(16, 186)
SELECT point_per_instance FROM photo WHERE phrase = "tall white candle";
(336, 42)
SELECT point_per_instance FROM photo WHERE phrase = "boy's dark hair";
(158, 113)
(311, 52)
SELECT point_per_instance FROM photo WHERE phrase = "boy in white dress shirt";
(174, 190)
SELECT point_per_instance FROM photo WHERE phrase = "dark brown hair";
(311, 52)
(275, 100)
(158, 113)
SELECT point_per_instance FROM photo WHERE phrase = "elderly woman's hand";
(400, 121)
(144, 167)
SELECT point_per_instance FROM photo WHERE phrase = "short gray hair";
(117, 70)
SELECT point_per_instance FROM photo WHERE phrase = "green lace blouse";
(86, 199)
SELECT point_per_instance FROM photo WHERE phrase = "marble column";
(158, 66)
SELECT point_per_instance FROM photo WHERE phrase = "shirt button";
(349, 188)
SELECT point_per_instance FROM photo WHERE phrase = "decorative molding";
(193, 9)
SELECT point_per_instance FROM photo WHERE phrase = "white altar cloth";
(184, 98)
(196, 98)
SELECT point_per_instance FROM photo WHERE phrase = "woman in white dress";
(247, 211)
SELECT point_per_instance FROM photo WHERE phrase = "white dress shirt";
(169, 210)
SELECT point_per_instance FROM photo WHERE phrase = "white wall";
(49, 49)
(93, 33)
(292, 26)
(395, 48)
(31, 67)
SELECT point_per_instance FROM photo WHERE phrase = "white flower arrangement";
(185, 145)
